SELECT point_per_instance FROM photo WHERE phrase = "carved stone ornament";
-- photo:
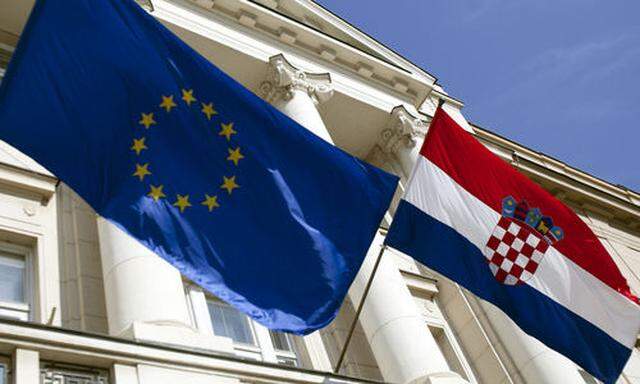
(54, 374)
(406, 128)
(283, 79)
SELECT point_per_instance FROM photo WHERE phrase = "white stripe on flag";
(433, 192)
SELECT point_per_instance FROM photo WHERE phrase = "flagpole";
(354, 323)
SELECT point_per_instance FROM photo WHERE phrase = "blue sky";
(561, 77)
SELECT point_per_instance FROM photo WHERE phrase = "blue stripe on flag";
(441, 248)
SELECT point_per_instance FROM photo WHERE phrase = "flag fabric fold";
(239, 197)
(472, 217)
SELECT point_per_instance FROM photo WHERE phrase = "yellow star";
(138, 145)
(182, 203)
(208, 110)
(235, 155)
(142, 171)
(147, 120)
(156, 192)
(211, 202)
(229, 184)
(227, 130)
(168, 103)
(187, 96)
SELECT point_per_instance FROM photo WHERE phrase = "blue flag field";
(240, 198)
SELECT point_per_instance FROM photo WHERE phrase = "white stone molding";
(354, 73)
(26, 366)
(270, 3)
(407, 127)
(124, 374)
(283, 79)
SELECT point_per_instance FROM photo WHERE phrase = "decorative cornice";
(406, 127)
(283, 79)
(273, 21)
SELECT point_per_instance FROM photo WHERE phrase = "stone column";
(140, 286)
(535, 363)
(297, 94)
(144, 294)
(401, 342)
(404, 349)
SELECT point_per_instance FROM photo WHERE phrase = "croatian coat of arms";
(519, 242)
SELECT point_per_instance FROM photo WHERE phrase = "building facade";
(80, 302)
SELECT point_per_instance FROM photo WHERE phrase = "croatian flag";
(473, 218)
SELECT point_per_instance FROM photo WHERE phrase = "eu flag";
(236, 195)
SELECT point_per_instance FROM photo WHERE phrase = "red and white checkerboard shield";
(514, 251)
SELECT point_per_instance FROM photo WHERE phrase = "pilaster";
(26, 366)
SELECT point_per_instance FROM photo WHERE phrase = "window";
(251, 340)
(15, 292)
(447, 350)
(442, 334)
(5, 377)
(281, 341)
(284, 348)
(229, 322)
(12, 278)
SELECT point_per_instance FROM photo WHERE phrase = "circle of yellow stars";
(227, 130)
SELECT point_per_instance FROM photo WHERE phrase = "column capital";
(283, 79)
(406, 126)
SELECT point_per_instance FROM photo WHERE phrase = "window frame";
(288, 355)
(6, 363)
(440, 321)
(23, 311)
(451, 338)
(264, 348)
(248, 321)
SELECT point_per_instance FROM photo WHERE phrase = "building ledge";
(103, 351)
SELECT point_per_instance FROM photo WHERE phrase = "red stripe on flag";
(491, 179)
